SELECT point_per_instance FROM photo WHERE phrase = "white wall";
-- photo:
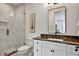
(41, 25)
(71, 17)
(41, 21)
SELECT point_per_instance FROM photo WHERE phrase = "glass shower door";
(3, 37)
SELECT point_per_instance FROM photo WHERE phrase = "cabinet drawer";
(37, 51)
(37, 42)
(71, 49)
(54, 45)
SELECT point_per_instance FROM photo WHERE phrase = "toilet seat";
(25, 47)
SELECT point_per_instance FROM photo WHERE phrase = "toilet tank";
(29, 41)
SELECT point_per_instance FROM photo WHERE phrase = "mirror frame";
(49, 25)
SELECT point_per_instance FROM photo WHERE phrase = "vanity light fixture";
(50, 4)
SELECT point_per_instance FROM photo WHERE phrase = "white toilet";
(25, 47)
(25, 50)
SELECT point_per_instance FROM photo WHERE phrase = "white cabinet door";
(54, 45)
(69, 54)
(37, 43)
(53, 49)
(59, 53)
(37, 51)
(58, 49)
(47, 51)
(51, 52)
(71, 49)
(37, 48)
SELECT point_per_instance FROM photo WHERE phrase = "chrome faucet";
(56, 31)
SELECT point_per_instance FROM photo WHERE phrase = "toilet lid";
(23, 48)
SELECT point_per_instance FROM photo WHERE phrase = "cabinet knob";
(76, 49)
(37, 42)
(52, 50)
(36, 50)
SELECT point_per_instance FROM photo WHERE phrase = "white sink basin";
(55, 39)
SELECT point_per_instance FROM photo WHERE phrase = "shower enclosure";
(12, 28)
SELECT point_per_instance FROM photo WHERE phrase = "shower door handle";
(7, 32)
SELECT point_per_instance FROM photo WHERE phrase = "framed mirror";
(57, 20)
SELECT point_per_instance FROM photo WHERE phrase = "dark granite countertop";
(66, 39)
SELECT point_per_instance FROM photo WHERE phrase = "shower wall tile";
(15, 24)
(5, 11)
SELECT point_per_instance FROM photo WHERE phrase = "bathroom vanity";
(56, 47)
(62, 19)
